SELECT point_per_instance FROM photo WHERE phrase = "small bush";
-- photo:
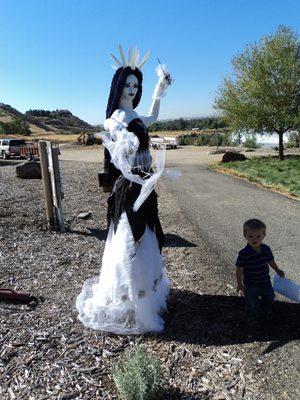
(18, 126)
(140, 377)
(205, 139)
(251, 142)
(293, 141)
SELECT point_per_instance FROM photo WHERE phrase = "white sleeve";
(153, 113)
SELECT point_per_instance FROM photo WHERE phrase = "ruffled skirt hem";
(130, 295)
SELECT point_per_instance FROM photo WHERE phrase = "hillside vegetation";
(40, 123)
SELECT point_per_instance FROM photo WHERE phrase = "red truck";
(30, 151)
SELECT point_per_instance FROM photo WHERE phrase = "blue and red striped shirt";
(255, 264)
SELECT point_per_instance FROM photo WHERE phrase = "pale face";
(255, 237)
(130, 88)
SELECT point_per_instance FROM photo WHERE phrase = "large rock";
(230, 156)
(29, 170)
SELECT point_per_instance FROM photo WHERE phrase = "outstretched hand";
(164, 81)
(280, 273)
(166, 78)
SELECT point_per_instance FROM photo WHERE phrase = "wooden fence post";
(53, 167)
(60, 215)
(46, 183)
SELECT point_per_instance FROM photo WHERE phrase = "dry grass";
(57, 137)
(168, 133)
(45, 136)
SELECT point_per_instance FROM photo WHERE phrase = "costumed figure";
(130, 294)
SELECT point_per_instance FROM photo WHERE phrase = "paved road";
(217, 205)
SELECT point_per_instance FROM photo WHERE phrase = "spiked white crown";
(133, 58)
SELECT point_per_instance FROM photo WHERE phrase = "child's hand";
(280, 273)
(240, 290)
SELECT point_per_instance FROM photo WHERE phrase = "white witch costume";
(130, 294)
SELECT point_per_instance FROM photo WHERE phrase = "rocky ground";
(207, 349)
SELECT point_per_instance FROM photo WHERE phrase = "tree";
(16, 127)
(262, 94)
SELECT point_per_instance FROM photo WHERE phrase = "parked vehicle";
(170, 142)
(10, 147)
(157, 142)
(164, 142)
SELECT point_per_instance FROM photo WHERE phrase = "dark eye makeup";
(128, 85)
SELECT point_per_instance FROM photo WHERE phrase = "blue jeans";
(253, 294)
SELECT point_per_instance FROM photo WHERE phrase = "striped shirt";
(255, 264)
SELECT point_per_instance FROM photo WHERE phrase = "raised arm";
(153, 113)
(164, 81)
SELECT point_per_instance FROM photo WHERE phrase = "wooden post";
(60, 215)
(46, 183)
(56, 185)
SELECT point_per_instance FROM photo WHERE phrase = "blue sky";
(55, 53)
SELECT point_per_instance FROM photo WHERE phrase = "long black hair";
(117, 86)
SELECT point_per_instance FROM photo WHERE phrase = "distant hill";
(42, 121)
(8, 112)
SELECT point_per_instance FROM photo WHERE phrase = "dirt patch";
(207, 349)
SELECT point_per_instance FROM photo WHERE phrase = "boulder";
(230, 156)
(29, 170)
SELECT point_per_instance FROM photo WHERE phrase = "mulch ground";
(208, 351)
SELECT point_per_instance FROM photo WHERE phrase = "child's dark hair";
(253, 225)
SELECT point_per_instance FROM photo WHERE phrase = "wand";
(167, 75)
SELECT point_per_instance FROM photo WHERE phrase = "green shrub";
(206, 139)
(18, 126)
(251, 142)
(140, 377)
(293, 140)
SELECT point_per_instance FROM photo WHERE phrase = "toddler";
(252, 272)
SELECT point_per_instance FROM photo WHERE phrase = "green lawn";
(269, 172)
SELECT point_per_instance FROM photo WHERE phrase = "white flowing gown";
(130, 294)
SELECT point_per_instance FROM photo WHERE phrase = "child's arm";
(239, 278)
(276, 268)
